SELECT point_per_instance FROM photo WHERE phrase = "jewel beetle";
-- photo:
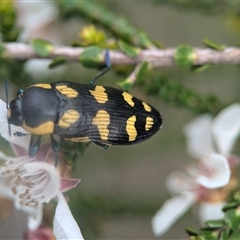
(82, 113)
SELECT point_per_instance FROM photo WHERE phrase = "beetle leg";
(55, 147)
(107, 67)
(34, 144)
(104, 146)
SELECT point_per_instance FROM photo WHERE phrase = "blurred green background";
(121, 188)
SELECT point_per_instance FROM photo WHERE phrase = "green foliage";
(57, 62)
(8, 19)
(92, 57)
(175, 93)
(213, 45)
(144, 69)
(222, 229)
(184, 56)
(14, 72)
(118, 25)
(120, 35)
(42, 47)
(125, 85)
(128, 49)
(72, 152)
(206, 7)
(214, 223)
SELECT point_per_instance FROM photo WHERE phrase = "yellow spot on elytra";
(149, 123)
(99, 94)
(68, 118)
(128, 98)
(102, 120)
(67, 91)
(44, 128)
(79, 139)
(130, 128)
(146, 107)
(42, 85)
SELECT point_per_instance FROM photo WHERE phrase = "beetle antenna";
(6, 92)
(106, 68)
(7, 105)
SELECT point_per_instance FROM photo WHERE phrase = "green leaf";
(184, 56)
(200, 68)
(213, 45)
(191, 231)
(234, 235)
(144, 40)
(128, 49)
(42, 47)
(232, 218)
(158, 44)
(223, 235)
(208, 234)
(230, 206)
(57, 62)
(215, 223)
(92, 57)
(195, 238)
(2, 50)
(125, 85)
(72, 151)
(143, 71)
(237, 196)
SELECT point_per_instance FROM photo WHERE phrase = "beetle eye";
(20, 91)
(15, 117)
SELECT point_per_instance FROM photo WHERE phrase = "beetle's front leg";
(34, 145)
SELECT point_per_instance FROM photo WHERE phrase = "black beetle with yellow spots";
(82, 113)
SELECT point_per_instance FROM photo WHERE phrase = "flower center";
(27, 186)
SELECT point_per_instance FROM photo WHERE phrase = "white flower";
(38, 19)
(30, 182)
(64, 225)
(35, 18)
(211, 141)
(206, 135)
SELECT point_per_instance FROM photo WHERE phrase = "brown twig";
(156, 57)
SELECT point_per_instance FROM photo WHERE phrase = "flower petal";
(177, 182)
(210, 211)
(220, 169)
(34, 16)
(64, 225)
(43, 152)
(19, 151)
(35, 220)
(171, 211)
(3, 111)
(67, 184)
(199, 139)
(21, 141)
(226, 128)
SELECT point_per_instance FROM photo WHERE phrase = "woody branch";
(157, 57)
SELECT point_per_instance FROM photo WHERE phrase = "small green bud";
(184, 56)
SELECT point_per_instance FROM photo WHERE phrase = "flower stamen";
(31, 181)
